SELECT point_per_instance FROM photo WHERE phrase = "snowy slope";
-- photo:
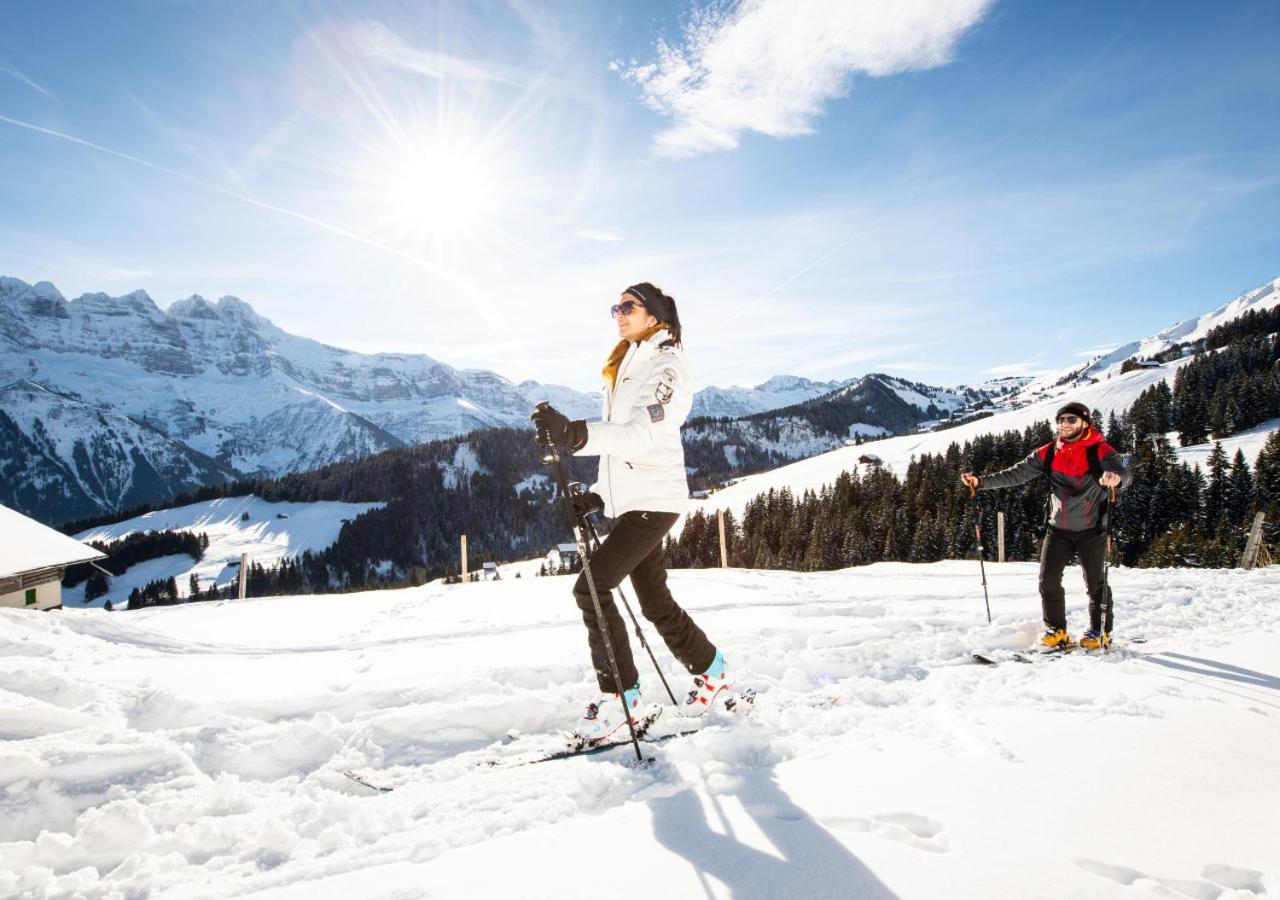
(1261, 298)
(196, 750)
(272, 532)
(1250, 442)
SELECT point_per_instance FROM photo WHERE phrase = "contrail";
(271, 207)
(756, 302)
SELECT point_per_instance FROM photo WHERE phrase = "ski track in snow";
(198, 749)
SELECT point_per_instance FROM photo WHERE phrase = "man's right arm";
(1029, 469)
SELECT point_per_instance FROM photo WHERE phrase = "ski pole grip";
(973, 491)
(1113, 494)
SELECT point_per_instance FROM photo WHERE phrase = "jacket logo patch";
(663, 393)
(656, 412)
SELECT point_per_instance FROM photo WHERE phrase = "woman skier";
(643, 487)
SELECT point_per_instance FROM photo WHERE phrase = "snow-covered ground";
(196, 750)
(272, 531)
(1251, 442)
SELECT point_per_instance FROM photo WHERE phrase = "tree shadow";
(809, 862)
(1197, 665)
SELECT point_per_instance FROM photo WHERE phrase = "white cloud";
(605, 235)
(1026, 367)
(770, 66)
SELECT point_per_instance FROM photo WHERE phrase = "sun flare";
(436, 190)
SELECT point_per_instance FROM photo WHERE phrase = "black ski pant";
(634, 547)
(1059, 547)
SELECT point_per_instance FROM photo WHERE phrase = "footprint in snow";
(1219, 880)
(907, 828)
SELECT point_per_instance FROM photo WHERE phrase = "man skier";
(1082, 469)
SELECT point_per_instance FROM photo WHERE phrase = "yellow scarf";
(610, 370)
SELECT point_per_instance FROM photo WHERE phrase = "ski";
(591, 750)
(995, 657)
(364, 780)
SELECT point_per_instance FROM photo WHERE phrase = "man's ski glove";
(554, 427)
(586, 503)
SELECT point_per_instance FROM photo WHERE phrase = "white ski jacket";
(638, 437)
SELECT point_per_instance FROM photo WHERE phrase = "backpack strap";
(1048, 460)
(1095, 464)
(1048, 480)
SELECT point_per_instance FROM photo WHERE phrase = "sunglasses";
(1068, 420)
(625, 308)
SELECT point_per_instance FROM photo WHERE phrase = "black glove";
(554, 427)
(585, 504)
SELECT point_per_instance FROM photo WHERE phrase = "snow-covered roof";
(28, 546)
(567, 548)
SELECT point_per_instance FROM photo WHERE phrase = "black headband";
(639, 293)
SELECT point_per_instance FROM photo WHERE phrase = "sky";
(945, 190)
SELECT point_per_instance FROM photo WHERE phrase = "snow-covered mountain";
(205, 391)
(64, 458)
(872, 406)
(198, 750)
(777, 392)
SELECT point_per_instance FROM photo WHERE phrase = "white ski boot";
(603, 720)
(707, 686)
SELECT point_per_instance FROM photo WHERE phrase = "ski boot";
(706, 687)
(1055, 639)
(603, 719)
(1093, 639)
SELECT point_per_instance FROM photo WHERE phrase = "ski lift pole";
(551, 456)
(595, 545)
(977, 530)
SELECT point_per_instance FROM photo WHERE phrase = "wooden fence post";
(244, 573)
(464, 557)
(1251, 547)
(1000, 535)
(724, 551)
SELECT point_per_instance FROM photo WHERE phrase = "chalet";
(562, 554)
(489, 572)
(33, 561)
(870, 459)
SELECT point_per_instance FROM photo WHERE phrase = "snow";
(27, 546)
(1250, 441)
(197, 750)
(464, 464)
(865, 430)
(272, 532)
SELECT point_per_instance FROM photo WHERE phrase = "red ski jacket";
(1076, 501)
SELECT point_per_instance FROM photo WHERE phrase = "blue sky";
(943, 190)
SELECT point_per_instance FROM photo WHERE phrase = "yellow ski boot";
(1095, 640)
(1055, 639)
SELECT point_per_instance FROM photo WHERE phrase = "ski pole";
(977, 530)
(1106, 565)
(552, 458)
(595, 545)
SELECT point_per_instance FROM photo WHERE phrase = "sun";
(437, 189)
